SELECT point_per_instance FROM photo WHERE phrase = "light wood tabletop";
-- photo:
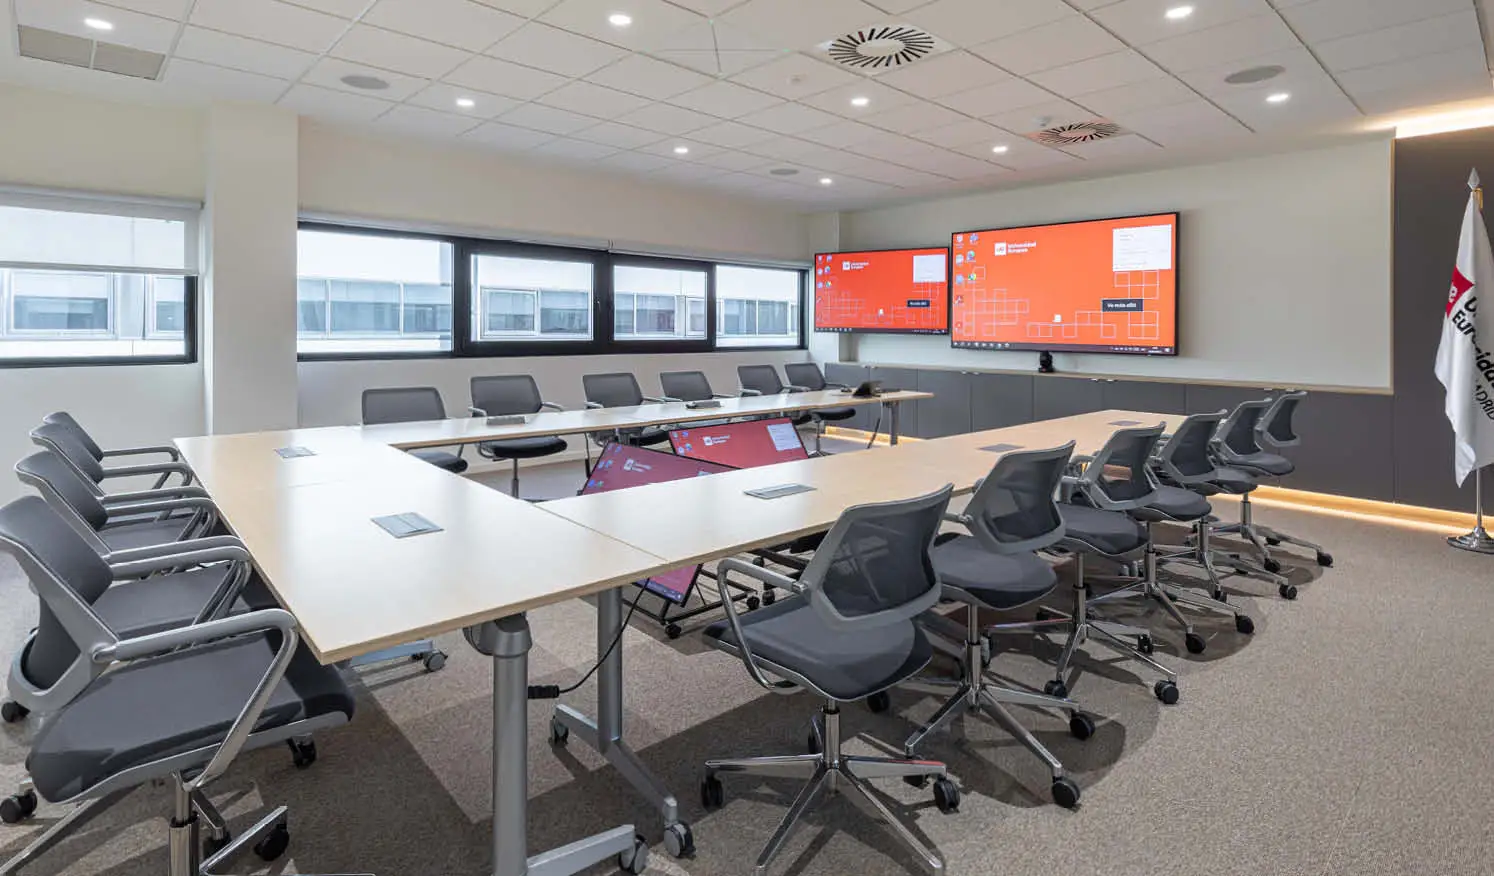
(228, 464)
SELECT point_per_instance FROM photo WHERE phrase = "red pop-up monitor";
(741, 445)
(622, 466)
(905, 290)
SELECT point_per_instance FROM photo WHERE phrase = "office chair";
(1239, 445)
(620, 390)
(847, 633)
(687, 386)
(64, 440)
(412, 404)
(809, 376)
(66, 420)
(177, 705)
(1012, 514)
(763, 380)
(509, 394)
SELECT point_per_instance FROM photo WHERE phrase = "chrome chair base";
(1263, 538)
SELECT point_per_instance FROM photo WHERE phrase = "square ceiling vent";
(62, 48)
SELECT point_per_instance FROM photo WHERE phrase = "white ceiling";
(742, 84)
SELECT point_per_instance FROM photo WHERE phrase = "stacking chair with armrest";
(848, 632)
(809, 376)
(764, 380)
(177, 705)
(412, 404)
(67, 440)
(620, 390)
(513, 395)
(688, 386)
(66, 420)
(1012, 515)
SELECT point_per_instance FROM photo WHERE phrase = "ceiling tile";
(686, 172)
(1140, 22)
(897, 7)
(706, 7)
(725, 100)
(654, 79)
(548, 119)
(666, 148)
(795, 24)
(653, 21)
(1200, 133)
(634, 162)
(581, 151)
(838, 100)
(337, 106)
(718, 62)
(962, 133)
(555, 50)
(1008, 94)
(242, 53)
(1180, 115)
(945, 163)
(733, 135)
(426, 122)
(145, 32)
(395, 51)
(1137, 95)
(1046, 46)
(841, 134)
(329, 73)
(1043, 115)
(907, 178)
(507, 137)
(1410, 98)
(443, 97)
(1323, 20)
(913, 117)
(1116, 147)
(1300, 71)
(666, 119)
(790, 149)
(618, 135)
(176, 9)
(339, 8)
(1021, 154)
(1429, 36)
(1118, 68)
(523, 8)
(1241, 39)
(460, 23)
(738, 161)
(271, 21)
(941, 75)
(501, 77)
(593, 100)
(795, 76)
(190, 77)
(890, 147)
(1464, 63)
(971, 22)
(717, 49)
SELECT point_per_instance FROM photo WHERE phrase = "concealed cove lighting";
(682, 150)
(826, 181)
(1443, 123)
(860, 101)
(98, 23)
(1279, 97)
(1178, 13)
(619, 19)
(466, 102)
(1001, 150)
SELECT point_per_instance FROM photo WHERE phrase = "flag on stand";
(1464, 366)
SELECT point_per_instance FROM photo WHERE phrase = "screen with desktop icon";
(741, 445)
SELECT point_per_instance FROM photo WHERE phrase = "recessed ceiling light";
(826, 181)
(682, 150)
(619, 19)
(99, 23)
(1178, 13)
(466, 102)
(1000, 150)
(1279, 97)
(860, 101)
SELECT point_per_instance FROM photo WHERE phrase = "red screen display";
(741, 445)
(895, 291)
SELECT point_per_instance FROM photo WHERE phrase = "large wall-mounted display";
(903, 291)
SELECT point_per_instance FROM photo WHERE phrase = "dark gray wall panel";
(948, 412)
(1346, 447)
(1000, 400)
(1208, 399)
(1054, 397)
(1141, 395)
(853, 375)
(897, 378)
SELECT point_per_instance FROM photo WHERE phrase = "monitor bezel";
(948, 289)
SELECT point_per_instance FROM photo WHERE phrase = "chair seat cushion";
(1234, 481)
(1174, 503)
(1106, 532)
(442, 459)
(523, 448)
(159, 603)
(139, 535)
(835, 415)
(842, 665)
(1000, 581)
(171, 705)
(1268, 463)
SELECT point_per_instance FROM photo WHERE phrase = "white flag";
(1464, 367)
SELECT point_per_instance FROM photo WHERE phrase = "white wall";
(1284, 263)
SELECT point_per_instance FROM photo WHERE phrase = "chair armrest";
(723, 395)
(593, 406)
(836, 386)
(792, 388)
(150, 468)
(185, 555)
(724, 569)
(551, 406)
(144, 451)
(750, 393)
(211, 542)
(476, 411)
(180, 492)
(656, 400)
(669, 399)
(963, 519)
(198, 502)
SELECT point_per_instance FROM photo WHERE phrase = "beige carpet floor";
(1348, 737)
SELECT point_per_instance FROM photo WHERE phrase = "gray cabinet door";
(1054, 397)
(948, 412)
(1144, 395)
(897, 378)
(1347, 446)
(853, 375)
(1000, 400)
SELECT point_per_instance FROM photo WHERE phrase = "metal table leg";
(508, 641)
(605, 734)
(893, 408)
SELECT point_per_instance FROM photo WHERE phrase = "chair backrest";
(1276, 426)
(66, 491)
(1121, 472)
(615, 390)
(1186, 457)
(405, 404)
(53, 666)
(506, 394)
(685, 385)
(760, 378)
(873, 568)
(1015, 508)
(805, 374)
(61, 440)
(1237, 434)
(65, 419)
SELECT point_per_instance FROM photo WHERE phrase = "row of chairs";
(859, 621)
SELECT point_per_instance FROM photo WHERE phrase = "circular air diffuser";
(881, 48)
(1082, 132)
(367, 83)
(1255, 74)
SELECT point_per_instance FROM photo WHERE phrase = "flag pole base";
(1478, 541)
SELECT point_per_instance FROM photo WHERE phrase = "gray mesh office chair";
(687, 386)
(1012, 514)
(66, 420)
(809, 376)
(412, 404)
(847, 633)
(177, 705)
(764, 380)
(506, 395)
(64, 440)
(621, 390)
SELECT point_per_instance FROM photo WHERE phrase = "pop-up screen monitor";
(622, 466)
(741, 445)
(904, 290)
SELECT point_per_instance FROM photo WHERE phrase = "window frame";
(190, 330)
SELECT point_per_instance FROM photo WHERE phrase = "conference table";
(304, 502)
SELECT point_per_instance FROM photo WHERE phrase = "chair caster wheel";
(1167, 692)
(770, 596)
(674, 631)
(635, 860)
(879, 702)
(1244, 625)
(12, 711)
(303, 755)
(753, 603)
(946, 796)
(1325, 560)
(18, 807)
(679, 841)
(1271, 566)
(434, 661)
(1056, 688)
(1081, 726)
(1195, 643)
(1066, 792)
(1288, 591)
(1145, 645)
(712, 793)
(916, 781)
(274, 844)
(559, 733)
(1273, 541)
(212, 846)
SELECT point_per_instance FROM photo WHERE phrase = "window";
(510, 313)
(655, 303)
(372, 293)
(531, 299)
(88, 280)
(758, 307)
